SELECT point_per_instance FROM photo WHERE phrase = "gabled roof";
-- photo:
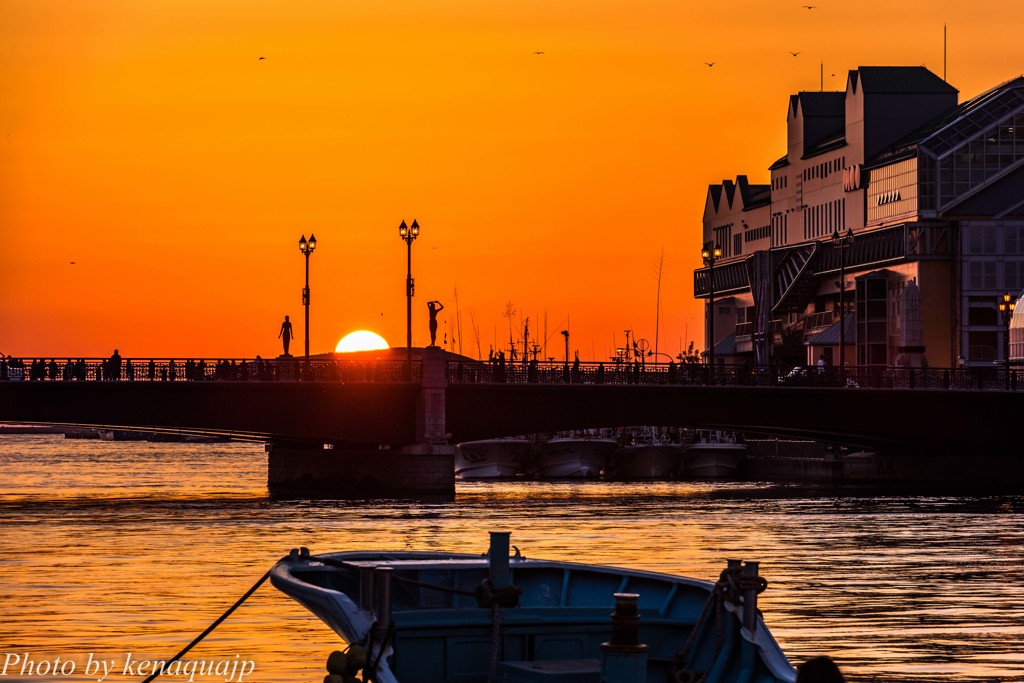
(726, 347)
(815, 104)
(730, 189)
(898, 80)
(715, 192)
(757, 195)
(827, 145)
(750, 195)
(948, 122)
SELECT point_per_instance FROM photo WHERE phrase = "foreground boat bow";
(432, 617)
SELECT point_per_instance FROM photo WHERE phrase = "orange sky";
(146, 142)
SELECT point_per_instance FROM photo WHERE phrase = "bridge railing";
(692, 374)
(207, 369)
(483, 372)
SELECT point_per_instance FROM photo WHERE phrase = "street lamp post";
(710, 255)
(1006, 306)
(842, 242)
(565, 368)
(409, 233)
(307, 247)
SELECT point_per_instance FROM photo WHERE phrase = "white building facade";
(930, 196)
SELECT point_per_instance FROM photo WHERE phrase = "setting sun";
(361, 340)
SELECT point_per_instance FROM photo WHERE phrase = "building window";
(872, 321)
(982, 275)
(981, 238)
(1013, 277)
(981, 346)
(722, 239)
(982, 316)
(1014, 239)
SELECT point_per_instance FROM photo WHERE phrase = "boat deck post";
(366, 588)
(498, 569)
(750, 569)
(383, 575)
(625, 657)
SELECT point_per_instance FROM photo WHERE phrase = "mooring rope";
(495, 643)
(729, 588)
(212, 626)
(370, 669)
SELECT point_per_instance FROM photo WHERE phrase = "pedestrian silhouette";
(115, 365)
(434, 307)
(286, 335)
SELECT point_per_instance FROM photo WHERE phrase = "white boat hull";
(574, 457)
(648, 461)
(491, 458)
(712, 460)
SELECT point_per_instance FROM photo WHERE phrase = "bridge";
(375, 410)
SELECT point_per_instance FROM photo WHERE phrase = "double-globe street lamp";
(842, 243)
(710, 254)
(1006, 306)
(409, 233)
(307, 247)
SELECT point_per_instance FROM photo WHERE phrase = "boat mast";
(657, 311)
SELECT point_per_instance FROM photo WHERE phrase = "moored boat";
(713, 454)
(434, 617)
(575, 455)
(648, 453)
(503, 457)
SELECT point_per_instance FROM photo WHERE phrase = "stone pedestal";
(424, 468)
(287, 367)
(430, 405)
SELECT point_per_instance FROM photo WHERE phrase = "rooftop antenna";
(821, 77)
(458, 322)
(944, 51)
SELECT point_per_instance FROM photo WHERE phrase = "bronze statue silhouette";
(286, 335)
(434, 307)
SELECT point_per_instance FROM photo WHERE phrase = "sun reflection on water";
(135, 547)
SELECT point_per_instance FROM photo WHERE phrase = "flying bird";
(71, 262)
(260, 58)
(710, 64)
(810, 7)
(539, 52)
(794, 53)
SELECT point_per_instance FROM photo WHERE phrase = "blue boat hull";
(433, 628)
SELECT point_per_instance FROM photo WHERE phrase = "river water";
(125, 551)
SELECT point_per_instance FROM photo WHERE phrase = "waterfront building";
(929, 196)
(1017, 332)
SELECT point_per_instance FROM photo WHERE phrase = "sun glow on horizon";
(361, 340)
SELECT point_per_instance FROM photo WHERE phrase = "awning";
(830, 335)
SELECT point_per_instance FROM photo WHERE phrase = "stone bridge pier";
(422, 469)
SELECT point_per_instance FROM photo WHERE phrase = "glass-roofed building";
(1017, 332)
(915, 199)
